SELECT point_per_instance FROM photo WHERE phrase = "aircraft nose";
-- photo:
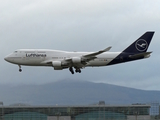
(8, 58)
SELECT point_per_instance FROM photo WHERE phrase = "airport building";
(91, 112)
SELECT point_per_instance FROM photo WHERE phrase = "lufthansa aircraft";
(60, 60)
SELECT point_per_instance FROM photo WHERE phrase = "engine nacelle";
(76, 60)
(56, 64)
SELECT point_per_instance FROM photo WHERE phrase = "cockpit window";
(15, 51)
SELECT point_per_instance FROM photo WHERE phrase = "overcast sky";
(84, 25)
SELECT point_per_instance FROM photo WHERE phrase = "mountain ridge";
(75, 92)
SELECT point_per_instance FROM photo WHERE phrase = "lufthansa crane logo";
(141, 45)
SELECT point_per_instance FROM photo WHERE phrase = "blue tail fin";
(141, 44)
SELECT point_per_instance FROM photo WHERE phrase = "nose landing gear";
(20, 70)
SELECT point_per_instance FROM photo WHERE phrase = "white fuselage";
(60, 60)
(40, 57)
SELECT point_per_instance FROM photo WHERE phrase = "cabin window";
(30, 52)
(41, 52)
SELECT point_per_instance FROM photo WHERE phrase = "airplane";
(60, 60)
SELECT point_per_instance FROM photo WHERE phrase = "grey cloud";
(86, 25)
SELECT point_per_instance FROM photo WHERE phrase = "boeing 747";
(60, 60)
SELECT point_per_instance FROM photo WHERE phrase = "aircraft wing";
(97, 53)
(92, 56)
(84, 58)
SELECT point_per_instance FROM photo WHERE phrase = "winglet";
(107, 49)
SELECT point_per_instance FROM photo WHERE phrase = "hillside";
(70, 92)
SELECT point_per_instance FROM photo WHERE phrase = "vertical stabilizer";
(141, 44)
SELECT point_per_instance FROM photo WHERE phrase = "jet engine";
(56, 63)
(76, 60)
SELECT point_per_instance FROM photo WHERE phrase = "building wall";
(138, 117)
(59, 118)
(97, 112)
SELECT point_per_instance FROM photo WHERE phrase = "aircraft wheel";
(20, 70)
(78, 70)
(71, 70)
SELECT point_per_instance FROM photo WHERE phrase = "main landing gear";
(76, 70)
(71, 70)
(20, 70)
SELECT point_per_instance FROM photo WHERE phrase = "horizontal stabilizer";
(145, 55)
